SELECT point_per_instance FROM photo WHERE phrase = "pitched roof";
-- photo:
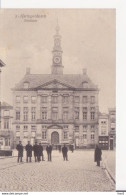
(5, 104)
(1, 63)
(73, 80)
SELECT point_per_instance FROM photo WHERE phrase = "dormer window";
(85, 84)
(26, 85)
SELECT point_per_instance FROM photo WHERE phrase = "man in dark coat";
(19, 148)
(64, 152)
(98, 154)
(35, 149)
(40, 152)
(49, 152)
(28, 148)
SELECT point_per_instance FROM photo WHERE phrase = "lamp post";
(1, 65)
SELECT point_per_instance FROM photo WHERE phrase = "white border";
(120, 6)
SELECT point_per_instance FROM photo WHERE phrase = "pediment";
(55, 127)
(55, 84)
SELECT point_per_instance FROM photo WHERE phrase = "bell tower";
(57, 67)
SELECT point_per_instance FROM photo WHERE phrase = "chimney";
(27, 70)
(84, 71)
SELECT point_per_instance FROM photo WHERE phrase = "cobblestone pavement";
(80, 173)
(109, 158)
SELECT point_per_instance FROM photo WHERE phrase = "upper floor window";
(77, 128)
(33, 133)
(6, 112)
(6, 123)
(44, 113)
(54, 99)
(65, 115)
(44, 127)
(76, 113)
(65, 126)
(85, 100)
(25, 127)
(33, 99)
(33, 113)
(26, 85)
(44, 135)
(65, 135)
(25, 113)
(76, 99)
(92, 99)
(33, 127)
(25, 99)
(44, 99)
(85, 128)
(54, 113)
(85, 84)
(17, 127)
(17, 133)
(25, 134)
(17, 113)
(84, 136)
(65, 99)
(18, 99)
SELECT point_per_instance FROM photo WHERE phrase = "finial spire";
(57, 27)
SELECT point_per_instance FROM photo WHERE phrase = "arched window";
(85, 84)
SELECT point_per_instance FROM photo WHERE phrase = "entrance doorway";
(55, 138)
(111, 144)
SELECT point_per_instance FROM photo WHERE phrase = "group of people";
(38, 152)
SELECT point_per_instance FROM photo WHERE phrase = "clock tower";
(57, 67)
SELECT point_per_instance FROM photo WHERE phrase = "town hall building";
(56, 108)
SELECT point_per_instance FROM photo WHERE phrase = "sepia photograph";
(58, 100)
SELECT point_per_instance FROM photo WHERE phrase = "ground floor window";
(65, 136)
(44, 135)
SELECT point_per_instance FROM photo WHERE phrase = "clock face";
(57, 59)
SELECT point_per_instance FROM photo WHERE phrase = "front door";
(111, 144)
(55, 138)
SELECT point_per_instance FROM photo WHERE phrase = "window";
(84, 136)
(85, 84)
(18, 99)
(65, 115)
(54, 99)
(92, 136)
(85, 128)
(25, 134)
(92, 115)
(85, 113)
(92, 99)
(85, 99)
(44, 135)
(92, 127)
(65, 99)
(77, 128)
(6, 123)
(33, 113)
(44, 127)
(17, 113)
(25, 113)
(25, 127)
(18, 134)
(33, 99)
(6, 113)
(17, 127)
(33, 133)
(33, 127)
(76, 99)
(65, 126)
(54, 113)
(25, 99)
(26, 85)
(65, 135)
(44, 99)
(44, 113)
(76, 113)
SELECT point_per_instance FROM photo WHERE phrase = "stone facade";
(112, 128)
(57, 108)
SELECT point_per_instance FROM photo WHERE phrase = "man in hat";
(35, 149)
(40, 152)
(49, 152)
(64, 152)
(97, 155)
(28, 148)
(19, 148)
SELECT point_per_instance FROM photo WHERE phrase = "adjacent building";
(56, 108)
(6, 131)
(103, 131)
(112, 128)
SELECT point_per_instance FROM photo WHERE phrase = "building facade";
(103, 131)
(6, 132)
(56, 108)
(112, 128)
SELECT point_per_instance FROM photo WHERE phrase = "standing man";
(49, 152)
(35, 149)
(19, 148)
(40, 152)
(64, 152)
(28, 148)
(98, 154)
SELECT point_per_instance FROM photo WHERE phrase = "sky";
(88, 41)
